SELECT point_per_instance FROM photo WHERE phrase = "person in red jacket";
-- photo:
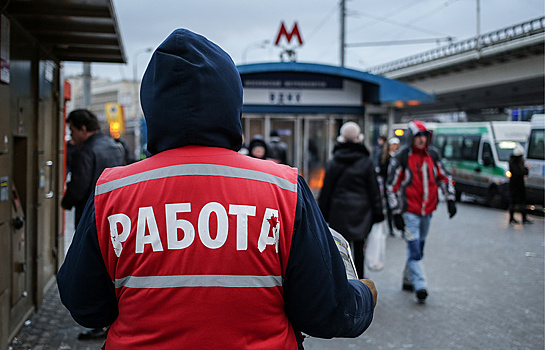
(200, 246)
(414, 176)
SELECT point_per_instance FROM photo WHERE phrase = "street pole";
(136, 100)
(479, 28)
(343, 18)
(259, 45)
(87, 85)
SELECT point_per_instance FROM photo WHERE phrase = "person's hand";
(399, 223)
(451, 208)
(371, 286)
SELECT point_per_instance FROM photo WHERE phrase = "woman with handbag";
(350, 198)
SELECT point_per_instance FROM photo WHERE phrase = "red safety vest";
(196, 240)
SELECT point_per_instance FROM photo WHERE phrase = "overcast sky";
(241, 27)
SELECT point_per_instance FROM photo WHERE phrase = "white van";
(477, 156)
(535, 150)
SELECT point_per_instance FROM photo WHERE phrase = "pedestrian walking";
(378, 149)
(350, 198)
(387, 153)
(199, 246)
(94, 152)
(258, 148)
(279, 149)
(414, 177)
(517, 186)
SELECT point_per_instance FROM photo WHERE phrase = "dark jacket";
(350, 198)
(517, 188)
(192, 94)
(279, 150)
(88, 161)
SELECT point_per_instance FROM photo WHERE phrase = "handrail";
(501, 36)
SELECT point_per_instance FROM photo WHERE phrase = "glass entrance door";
(309, 139)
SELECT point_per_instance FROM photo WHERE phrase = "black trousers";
(359, 256)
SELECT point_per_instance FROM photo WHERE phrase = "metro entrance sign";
(283, 32)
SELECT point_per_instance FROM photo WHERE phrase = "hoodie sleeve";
(84, 284)
(319, 300)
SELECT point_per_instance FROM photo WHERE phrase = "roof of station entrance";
(390, 91)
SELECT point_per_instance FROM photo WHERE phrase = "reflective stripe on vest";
(199, 281)
(195, 169)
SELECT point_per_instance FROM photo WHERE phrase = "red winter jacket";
(414, 177)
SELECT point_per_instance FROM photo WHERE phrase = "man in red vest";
(199, 246)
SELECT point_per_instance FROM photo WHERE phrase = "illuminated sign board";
(300, 89)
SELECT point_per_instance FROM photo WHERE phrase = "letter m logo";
(283, 32)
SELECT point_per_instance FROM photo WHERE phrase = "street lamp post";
(259, 45)
(136, 100)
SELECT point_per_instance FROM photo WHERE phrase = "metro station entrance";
(310, 139)
(306, 104)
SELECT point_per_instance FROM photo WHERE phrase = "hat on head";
(393, 141)
(518, 151)
(350, 132)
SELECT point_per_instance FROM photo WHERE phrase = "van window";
(535, 144)
(471, 148)
(505, 149)
(453, 147)
(439, 143)
(487, 151)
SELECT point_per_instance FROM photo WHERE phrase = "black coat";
(97, 153)
(517, 188)
(350, 198)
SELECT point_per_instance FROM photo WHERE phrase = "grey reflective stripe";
(228, 281)
(195, 169)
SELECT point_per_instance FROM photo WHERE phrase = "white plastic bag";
(375, 247)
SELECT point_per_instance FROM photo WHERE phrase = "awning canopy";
(389, 91)
(74, 30)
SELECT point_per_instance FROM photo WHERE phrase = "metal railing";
(501, 36)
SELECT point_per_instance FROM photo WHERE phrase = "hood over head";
(191, 94)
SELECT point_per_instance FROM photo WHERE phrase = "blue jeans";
(416, 228)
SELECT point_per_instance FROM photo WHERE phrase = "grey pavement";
(485, 279)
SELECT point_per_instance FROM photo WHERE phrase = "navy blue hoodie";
(192, 95)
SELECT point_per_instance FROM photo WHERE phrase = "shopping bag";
(375, 247)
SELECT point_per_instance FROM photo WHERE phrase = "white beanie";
(518, 151)
(393, 140)
(350, 132)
